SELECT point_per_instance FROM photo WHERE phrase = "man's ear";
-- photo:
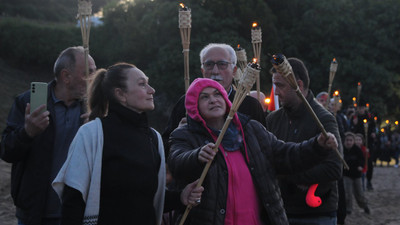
(234, 70)
(65, 76)
(120, 95)
(301, 85)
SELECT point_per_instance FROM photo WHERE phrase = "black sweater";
(130, 167)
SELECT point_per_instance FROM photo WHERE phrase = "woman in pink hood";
(241, 186)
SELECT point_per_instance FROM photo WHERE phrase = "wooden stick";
(281, 65)
(332, 72)
(244, 87)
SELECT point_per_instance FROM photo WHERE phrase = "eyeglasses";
(222, 65)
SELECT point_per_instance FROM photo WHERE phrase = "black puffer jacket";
(268, 156)
(31, 159)
(298, 125)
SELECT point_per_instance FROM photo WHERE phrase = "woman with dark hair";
(241, 186)
(115, 170)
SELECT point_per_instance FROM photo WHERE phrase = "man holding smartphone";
(37, 142)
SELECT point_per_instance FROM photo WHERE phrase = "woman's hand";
(207, 153)
(329, 142)
(192, 194)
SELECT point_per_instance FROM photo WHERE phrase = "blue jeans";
(322, 220)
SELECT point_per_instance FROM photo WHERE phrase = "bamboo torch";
(366, 132)
(256, 40)
(241, 62)
(366, 140)
(185, 25)
(332, 72)
(84, 13)
(355, 102)
(281, 64)
(359, 87)
(244, 87)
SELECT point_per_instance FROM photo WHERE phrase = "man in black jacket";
(218, 62)
(292, 122)
(36, 143)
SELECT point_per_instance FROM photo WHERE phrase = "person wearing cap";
(357, 126)
(293, 122)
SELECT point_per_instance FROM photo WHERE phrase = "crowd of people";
(92, 158)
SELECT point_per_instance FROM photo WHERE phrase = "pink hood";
(192, 98)
(192, 107)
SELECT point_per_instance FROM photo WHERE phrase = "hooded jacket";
(264, 154)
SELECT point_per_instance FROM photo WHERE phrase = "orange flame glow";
(267, 100)
(367, 105)
(238, 46)
(354, 99)
(365, 121)
(387, 121)
(359, 84)
(375, 118)
(383, 130)
(255, 24)
(334, 60)
(254, 60)
(182, 5)
(396, 122)
(336, 93)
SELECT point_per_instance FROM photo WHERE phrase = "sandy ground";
(384, 201)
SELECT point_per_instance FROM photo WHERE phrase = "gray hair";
(227, 47)
(67, 59)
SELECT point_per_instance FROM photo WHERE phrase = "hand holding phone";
(38, 95)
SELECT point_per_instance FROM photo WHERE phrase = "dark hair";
(67, 59)
(300, 71)
(351, 134)
(101, 90)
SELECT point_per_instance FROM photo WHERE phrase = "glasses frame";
(221, 65)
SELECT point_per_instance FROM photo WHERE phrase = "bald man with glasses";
(218, 62)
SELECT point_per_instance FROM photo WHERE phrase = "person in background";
(352, 177)
(115, 171)
(241, 185)
(37, 143)
(261, 99)
(323, 98)
(359, 141)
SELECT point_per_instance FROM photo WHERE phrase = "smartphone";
(38, 95)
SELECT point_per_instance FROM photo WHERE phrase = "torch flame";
(254, 60)
(336, 93)
(267, 100)
(238, 46)
(254, 25)
(359, 84)
(383, 130)
(367, 105)
(354, 99)
(365, 120)
(182, 5)
(396, 122)
(387, 121)
(375, 118)
(334, 60)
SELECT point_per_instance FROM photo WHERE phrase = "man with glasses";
(218, 62)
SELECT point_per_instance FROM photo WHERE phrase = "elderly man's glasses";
(222, 65)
